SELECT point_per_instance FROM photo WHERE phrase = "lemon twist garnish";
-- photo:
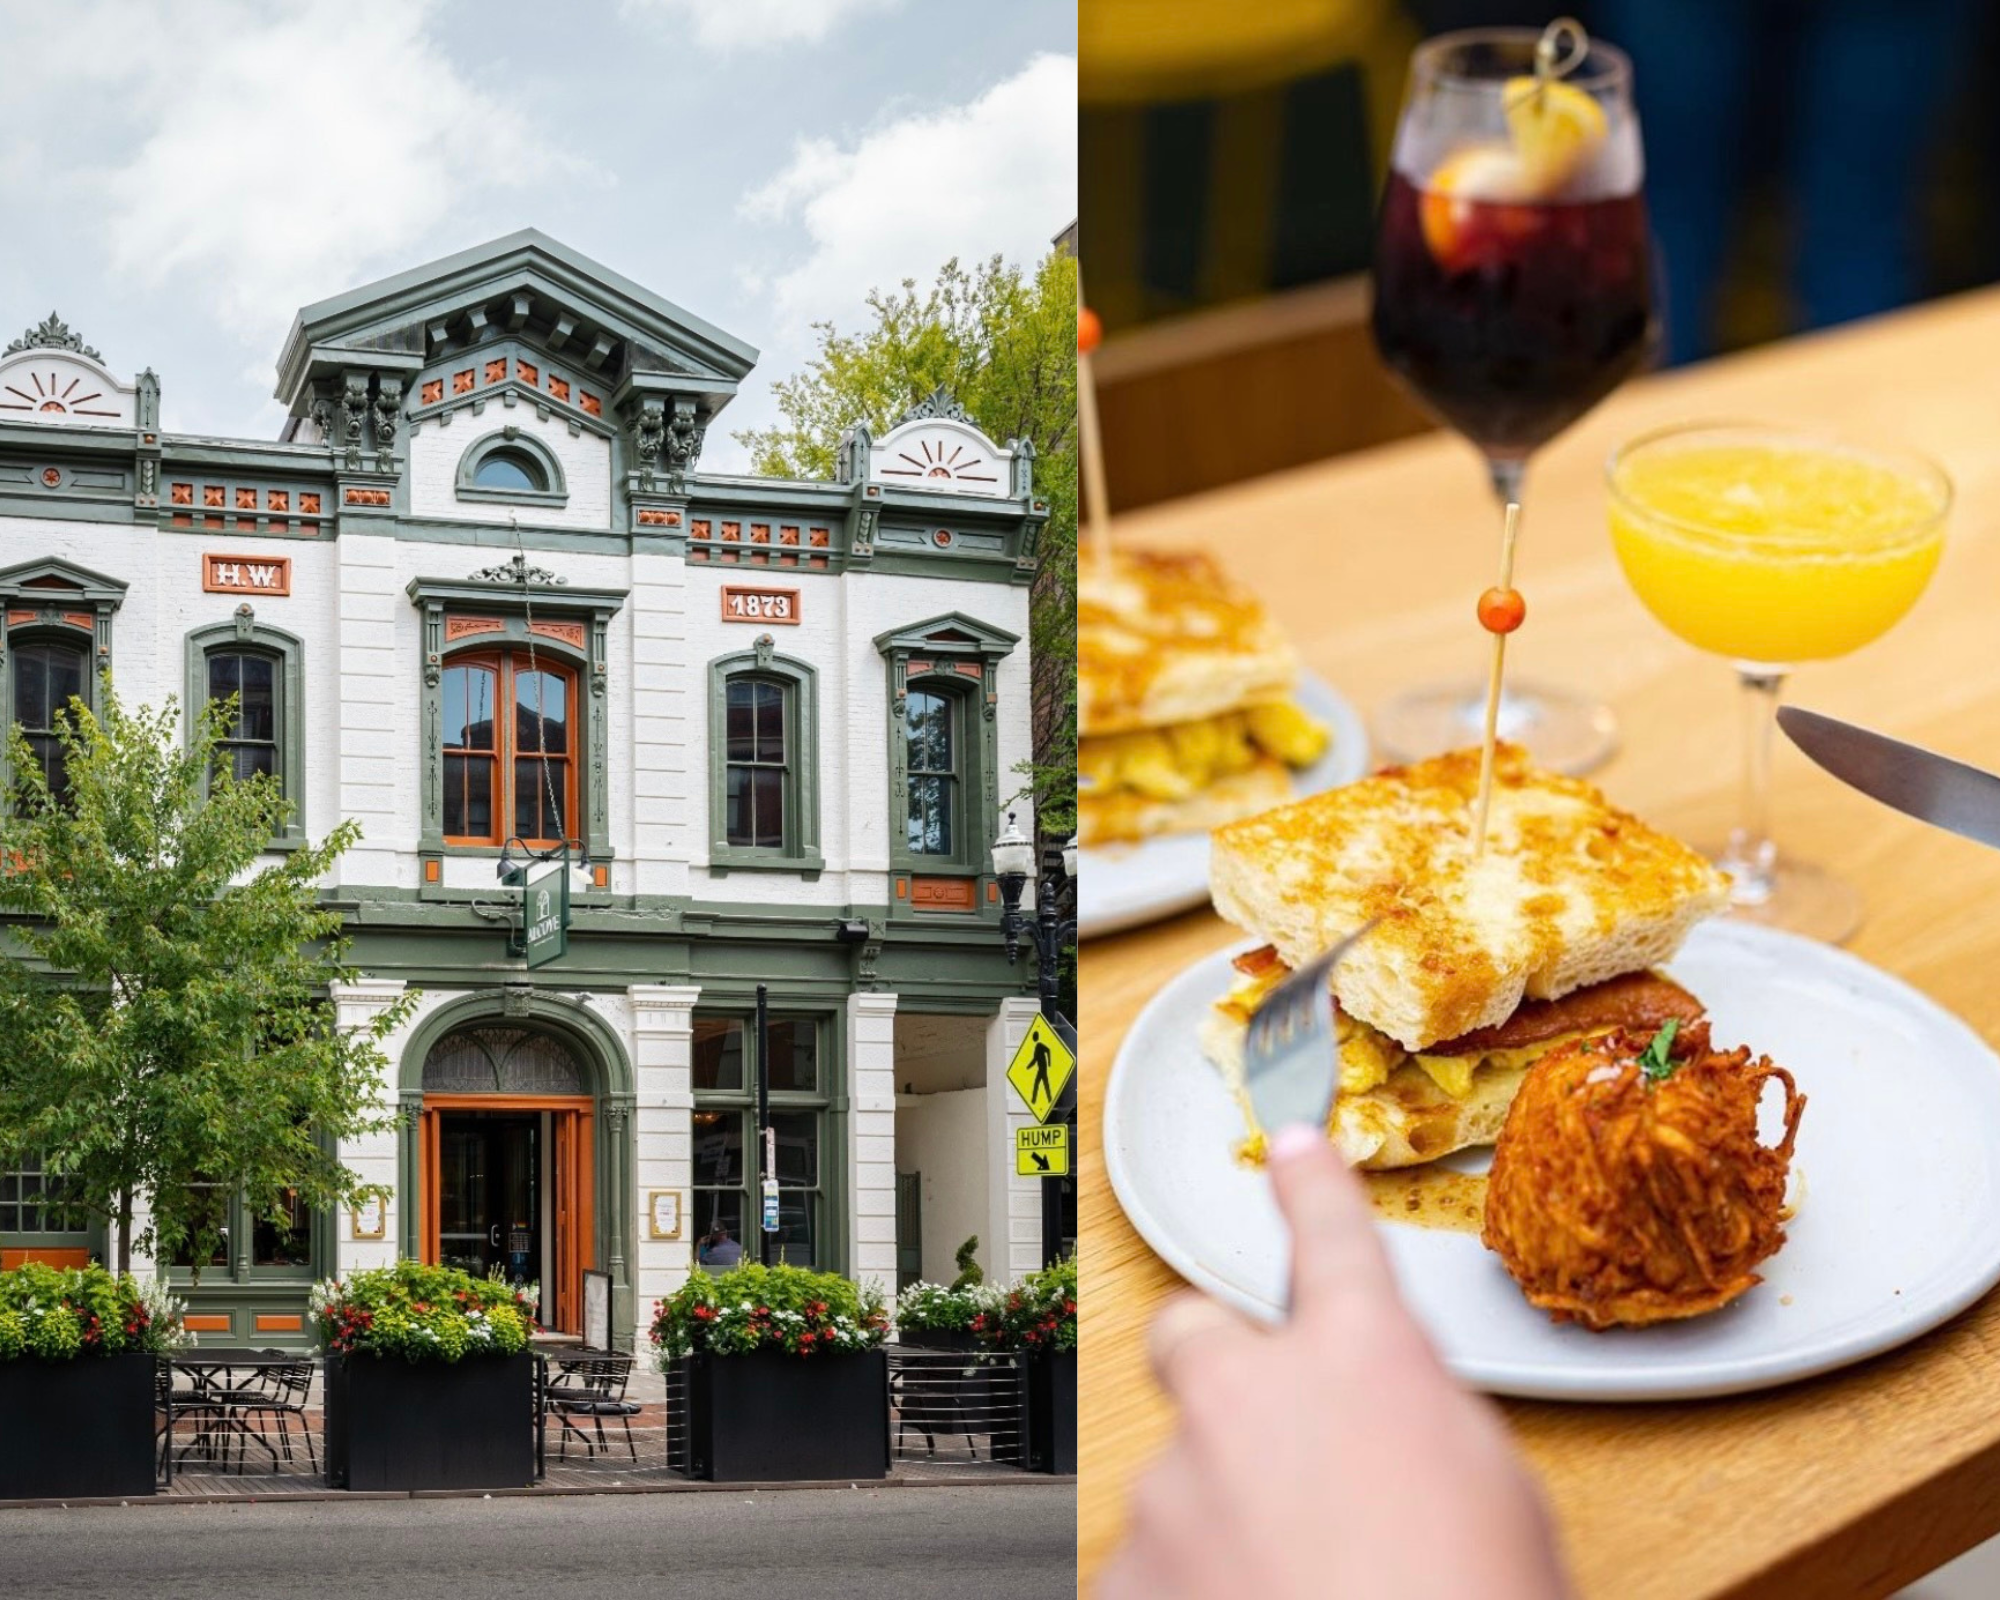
(1554, 127)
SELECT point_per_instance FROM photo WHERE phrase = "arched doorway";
(507, 1143)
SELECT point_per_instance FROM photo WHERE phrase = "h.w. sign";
(246, 574)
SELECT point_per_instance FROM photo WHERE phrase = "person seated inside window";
(717, 1249)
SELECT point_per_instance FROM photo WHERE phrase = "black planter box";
(1052, 1412)
(396, 1424)
(73, 1429)
(776, 1418)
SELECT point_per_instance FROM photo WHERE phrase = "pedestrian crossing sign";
(1042, 1151)
(1041, 1069)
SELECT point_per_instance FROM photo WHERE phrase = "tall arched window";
(47, 675)
(509, 750)
(930, 721)
(763, 797)
(251, 745)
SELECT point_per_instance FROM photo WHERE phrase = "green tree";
(165, 1028)
(1003, 341)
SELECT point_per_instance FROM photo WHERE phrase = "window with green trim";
(763, 759)
(727, 1207)
(264, 669)
(931, 826)
(47, 676)
(253, 1246)
(31, 1202)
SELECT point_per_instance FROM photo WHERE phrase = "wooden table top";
(1851, 1484)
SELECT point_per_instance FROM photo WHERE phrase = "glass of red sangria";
(1513, 291)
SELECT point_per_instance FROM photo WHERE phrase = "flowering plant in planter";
(61, 1313)
(423, 1314)
(749, 1308)
(944, 1309)
(1038, 1313)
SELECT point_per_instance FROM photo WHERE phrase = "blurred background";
(1808, 162)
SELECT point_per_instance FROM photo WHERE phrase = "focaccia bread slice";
(1166, 637)
(1570, 891)
(1125, 815)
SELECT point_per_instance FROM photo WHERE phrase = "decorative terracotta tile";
(732, 532)
(246, 499)
(461, 382)
(496, 370)
(527, 374)
(590, 402)
(558, 387)
(432, 392)
(698, 529)
(760, 533)
(277, 500)
(182, 494)
(818, 538)
(788, 536)
(308, 503)
(571, 633)
(366, 497)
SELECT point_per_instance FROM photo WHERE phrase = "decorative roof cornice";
(53, 334)
(940, 403)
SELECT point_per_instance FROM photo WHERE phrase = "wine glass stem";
(1507, 476)
(1752, 857)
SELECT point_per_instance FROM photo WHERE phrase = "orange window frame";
(504, 664)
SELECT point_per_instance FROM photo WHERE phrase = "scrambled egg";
(1175, 762)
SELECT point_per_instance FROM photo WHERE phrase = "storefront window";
(726, 1152)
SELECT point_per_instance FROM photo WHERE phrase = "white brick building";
(479, 592)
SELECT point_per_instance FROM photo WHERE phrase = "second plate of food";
(1124, 885)
(1897, 1183)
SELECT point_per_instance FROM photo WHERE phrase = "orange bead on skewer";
(1502, 610)
(1089, 330)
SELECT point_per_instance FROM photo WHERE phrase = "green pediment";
(525, 287)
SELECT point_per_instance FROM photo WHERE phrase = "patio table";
(1852, 1484)
(215, 1376)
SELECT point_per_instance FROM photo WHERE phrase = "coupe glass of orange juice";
(1773, 547)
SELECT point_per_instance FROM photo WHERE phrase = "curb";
(527, 1491)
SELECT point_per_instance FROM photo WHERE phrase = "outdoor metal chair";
(171, 1404)
(935, 1394)
(279, 1392)
(592, 1387)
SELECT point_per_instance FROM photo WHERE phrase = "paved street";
(885, 1544)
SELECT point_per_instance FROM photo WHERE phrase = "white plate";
(1898, 1228)
(1123, 885)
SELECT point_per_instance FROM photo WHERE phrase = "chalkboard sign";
(597, 1310)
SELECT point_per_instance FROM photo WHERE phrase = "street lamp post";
(1052, 933)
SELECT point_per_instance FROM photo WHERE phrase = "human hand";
(1332, 1456)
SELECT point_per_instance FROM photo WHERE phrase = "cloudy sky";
(180, 176)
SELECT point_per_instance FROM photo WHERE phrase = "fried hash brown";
(1628, 1184)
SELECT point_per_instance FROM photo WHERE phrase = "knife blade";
(1915, 781)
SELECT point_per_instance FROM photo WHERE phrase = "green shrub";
(60, 1313)
(422, 1314)
(970, 1273)
(945, 1310)
(750, 1307)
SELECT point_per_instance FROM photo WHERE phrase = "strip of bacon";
(1638, 1000)
(1642, 1001)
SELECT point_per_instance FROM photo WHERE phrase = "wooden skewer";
(1096, 499)
(1493, 686)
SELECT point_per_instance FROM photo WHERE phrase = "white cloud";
(273, 154)
(730, 25)
(997, 175)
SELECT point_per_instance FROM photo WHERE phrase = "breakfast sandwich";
(1478, 965)
(1184, 705)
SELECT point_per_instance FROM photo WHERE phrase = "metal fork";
(1290, 1063)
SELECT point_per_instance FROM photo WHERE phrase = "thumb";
(1336, 1253)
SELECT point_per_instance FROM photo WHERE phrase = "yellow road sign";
(1041, 1069)
(1042, 1151)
